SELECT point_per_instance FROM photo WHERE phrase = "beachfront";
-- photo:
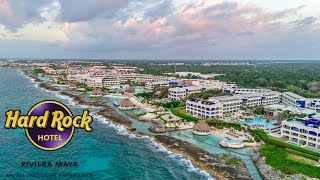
(234, 128)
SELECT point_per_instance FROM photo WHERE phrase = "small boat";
(115, 103)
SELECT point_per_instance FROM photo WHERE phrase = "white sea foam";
(121, 130)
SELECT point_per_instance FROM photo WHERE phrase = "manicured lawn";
(277, 139)
(301, 159)
(288, 163)
(181, 112)
(289, 158)
(281, 144)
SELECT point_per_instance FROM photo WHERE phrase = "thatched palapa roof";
(126, 103)
(131, 89)
(96, 92)
(202, 126)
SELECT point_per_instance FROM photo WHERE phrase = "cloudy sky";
(160, 29)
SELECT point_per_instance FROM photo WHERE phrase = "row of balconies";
(207, 112)
(300, 136)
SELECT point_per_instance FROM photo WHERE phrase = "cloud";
(16, 13)
(144, 28)
(206, 29)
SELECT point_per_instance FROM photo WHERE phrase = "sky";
(160, 29)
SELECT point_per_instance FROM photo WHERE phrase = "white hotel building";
(80, 78)
(180, 93)
(204, 109)
(313, 104)
(94, 82)
(250, 91)
(292, 99)
(306, 133)
(109, 81)
(229, 105)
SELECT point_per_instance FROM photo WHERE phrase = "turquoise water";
(259, 120)
(138, 89)
(107, 152)
(208, 143)
(211, 144)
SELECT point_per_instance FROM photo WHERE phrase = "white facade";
(94, 82)
(204, 109)
(258, 99)
(292, 99)
(127, 77)
(159, 84)
(80, 78)
(250, 91)
(230, 104)
(144, 78)
(313, 104)
(298, 132)
(110, 81)
(179, 93)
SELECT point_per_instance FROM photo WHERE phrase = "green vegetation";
(298, 77)
(181, 112)
(172, 104)
(163, 93)
(209, 93)
(278, 159)
(256, 137)
(248, 141)
(259, 110)
(82, 85)
(38, 71)
(315, 158)
(219, 124)
(145, 94)
(281, 144)
(232, 161)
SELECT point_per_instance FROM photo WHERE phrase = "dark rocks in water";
(112, 115)
(223, 166)
(133, 129)
(47, 86)
(159, 129)
(156, 130)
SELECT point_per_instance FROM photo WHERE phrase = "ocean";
(108, 152)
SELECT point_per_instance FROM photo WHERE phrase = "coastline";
(201, 159)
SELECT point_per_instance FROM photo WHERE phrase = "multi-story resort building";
(306, 133)
(250, 91)
(144, 78)
(314, 104)
(110, 81)
(160, 84)
(80, 78)
(292, 99)
(180, 93)
(232, 104)
(204, 109)
(127, 77)
(94, 82)
(257, 99)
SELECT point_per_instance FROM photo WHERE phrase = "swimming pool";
(260, 121)
(139, 89)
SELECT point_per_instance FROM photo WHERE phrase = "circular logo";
(49, 138)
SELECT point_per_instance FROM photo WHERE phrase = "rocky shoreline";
(216, 165)
(220, 166)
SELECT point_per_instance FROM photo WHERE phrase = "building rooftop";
(294, 95)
